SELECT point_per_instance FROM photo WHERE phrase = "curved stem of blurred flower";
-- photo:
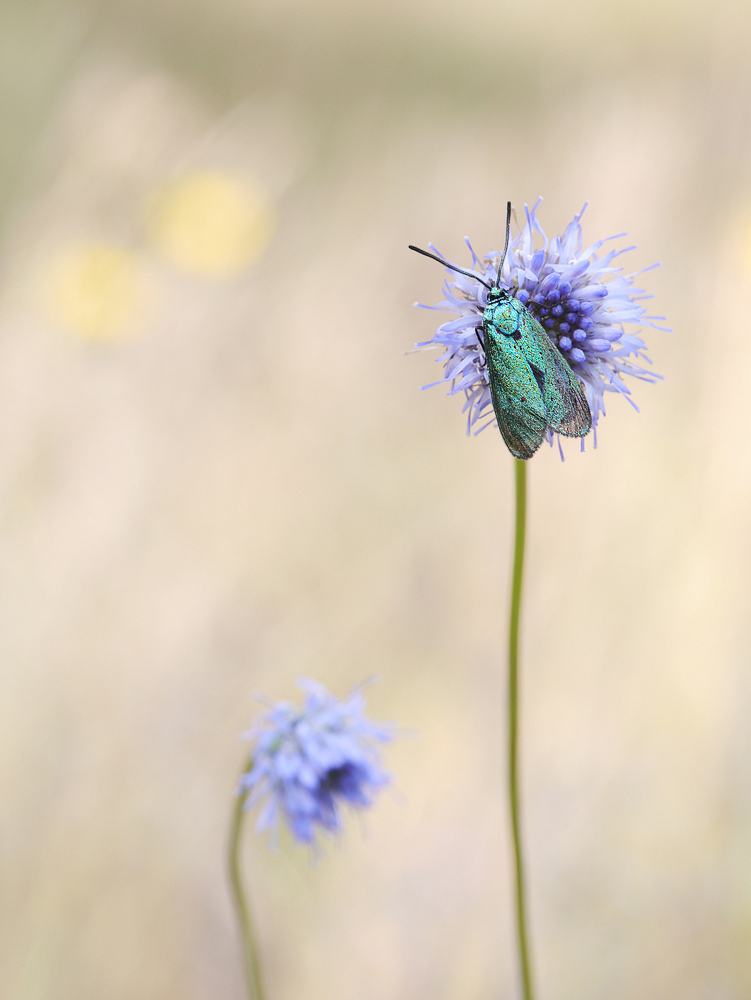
(513, 721)
(250, 953)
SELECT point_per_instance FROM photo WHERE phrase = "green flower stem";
(250, 953)
(513, 722)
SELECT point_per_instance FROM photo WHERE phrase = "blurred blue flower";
(306, 762)
(581, 300)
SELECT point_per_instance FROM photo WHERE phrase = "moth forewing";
(515, 393)
(577, 417)
(568, 411)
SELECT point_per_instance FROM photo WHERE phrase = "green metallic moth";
(532, 386)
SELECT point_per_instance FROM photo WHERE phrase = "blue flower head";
(307, 762)
(580, 298)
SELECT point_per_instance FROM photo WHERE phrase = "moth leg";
(484, 362)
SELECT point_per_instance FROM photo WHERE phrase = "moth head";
(497, 294)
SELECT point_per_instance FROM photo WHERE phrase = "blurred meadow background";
(218, 474)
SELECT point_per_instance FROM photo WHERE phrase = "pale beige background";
(219, 474)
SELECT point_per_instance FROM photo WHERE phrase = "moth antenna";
(453, 267)
(505, 247)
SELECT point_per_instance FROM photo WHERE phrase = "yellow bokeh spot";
(211, 223)
(97, 290)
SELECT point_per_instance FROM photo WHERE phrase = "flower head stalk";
(581, 298)
(306, 763)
